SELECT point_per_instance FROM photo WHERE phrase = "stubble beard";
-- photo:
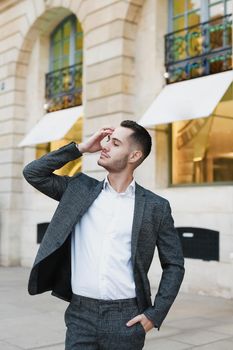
(115, 167)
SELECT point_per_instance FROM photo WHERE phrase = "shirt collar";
(130, 189)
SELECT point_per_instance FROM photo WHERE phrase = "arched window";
(64, 84)
(66, 44)
(64, 80)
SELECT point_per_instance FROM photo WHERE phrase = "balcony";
(64, 88)
(199, 50)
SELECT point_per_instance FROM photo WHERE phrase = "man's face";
(116, 150)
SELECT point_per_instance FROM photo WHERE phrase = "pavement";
(194, 321)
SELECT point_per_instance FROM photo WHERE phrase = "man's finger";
(108, 127)
(106, 131)
(134, 320)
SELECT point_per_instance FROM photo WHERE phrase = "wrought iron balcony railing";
(199, 50)
(64, 88)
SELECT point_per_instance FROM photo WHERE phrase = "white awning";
(52, 126)
(189, 99)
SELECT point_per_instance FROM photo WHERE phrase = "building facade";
(113, 58)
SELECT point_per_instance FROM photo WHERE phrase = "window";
(218, 8)
(186, 13)
(199, 41)
(64, 84)
(66, 44)
(64, 81)
(202, 149)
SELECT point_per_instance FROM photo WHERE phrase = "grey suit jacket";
(152, 226)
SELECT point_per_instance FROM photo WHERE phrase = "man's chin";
(100, 162)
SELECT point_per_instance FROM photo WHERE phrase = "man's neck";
(120, 182)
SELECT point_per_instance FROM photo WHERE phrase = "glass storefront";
(202, 149)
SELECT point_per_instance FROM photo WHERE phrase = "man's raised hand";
(93, 144)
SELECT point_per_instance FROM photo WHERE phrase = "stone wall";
(109, 29)
(123, 73)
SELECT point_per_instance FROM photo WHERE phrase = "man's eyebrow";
(115, 139)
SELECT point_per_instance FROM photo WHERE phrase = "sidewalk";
(194, 322)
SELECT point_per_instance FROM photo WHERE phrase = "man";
(99, 245)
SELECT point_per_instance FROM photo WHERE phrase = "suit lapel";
(91, 196)
(77, 206)
(137, 219)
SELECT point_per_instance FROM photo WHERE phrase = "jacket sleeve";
(172, 263)
(39, 173)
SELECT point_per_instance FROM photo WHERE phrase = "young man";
(100, 243)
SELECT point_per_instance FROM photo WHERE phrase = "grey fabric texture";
(98, 324)
(153, 227)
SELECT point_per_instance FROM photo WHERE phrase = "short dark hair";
(140, 135)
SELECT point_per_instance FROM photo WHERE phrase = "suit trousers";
(97, 324)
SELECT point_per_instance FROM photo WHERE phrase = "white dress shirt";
(101, 246)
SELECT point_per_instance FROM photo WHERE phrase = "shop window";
(202, 149)
(74, 134)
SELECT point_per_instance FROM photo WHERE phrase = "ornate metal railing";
(64, 88)
(199, 50)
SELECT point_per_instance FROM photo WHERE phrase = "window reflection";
(193, 18)
(194, 4)
(178, 7)
(216, 11)
(179, 23)
(229, 7)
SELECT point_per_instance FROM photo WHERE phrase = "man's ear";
(135, 156)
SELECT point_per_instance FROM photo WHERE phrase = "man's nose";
(105, 147)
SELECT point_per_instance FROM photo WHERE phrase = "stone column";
(12, 96)
(109, 50)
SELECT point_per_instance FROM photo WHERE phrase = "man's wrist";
(80, 147)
